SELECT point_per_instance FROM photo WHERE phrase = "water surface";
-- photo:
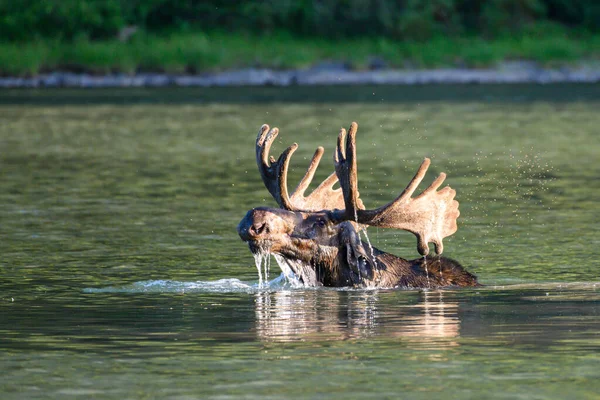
(122, 275)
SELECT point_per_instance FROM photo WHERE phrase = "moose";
(316, 238)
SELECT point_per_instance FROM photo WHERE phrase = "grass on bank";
(200, 51)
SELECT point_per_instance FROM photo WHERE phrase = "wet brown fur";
(325, 253)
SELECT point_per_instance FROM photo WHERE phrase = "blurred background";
(192, 36)
(122, 275)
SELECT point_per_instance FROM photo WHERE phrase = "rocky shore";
(321, 74)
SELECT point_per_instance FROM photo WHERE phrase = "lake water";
(122, 276)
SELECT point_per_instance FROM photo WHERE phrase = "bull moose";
(315, 238)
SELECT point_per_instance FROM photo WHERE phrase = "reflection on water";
(201, 339)
(338, 315)
(438, 319)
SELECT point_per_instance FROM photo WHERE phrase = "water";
(122, 275)
(427, 271)
(263, 267)
(258, 260)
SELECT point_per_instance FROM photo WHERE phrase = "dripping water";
(366, 238)
(267, 266)
(426, 272)
(258, 260)
(369, 243)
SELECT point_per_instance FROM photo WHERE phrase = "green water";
(122, 276)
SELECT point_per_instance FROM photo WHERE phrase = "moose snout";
(264, 223)
(254, 225)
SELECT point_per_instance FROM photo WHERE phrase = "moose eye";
(321, 223)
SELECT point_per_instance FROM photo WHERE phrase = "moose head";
(315, 238)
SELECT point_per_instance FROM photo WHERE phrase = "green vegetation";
(194, 52)
(175, 36)
(397, 19)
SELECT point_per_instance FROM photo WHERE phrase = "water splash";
(230, 285)
(169, 286)
(287, 271)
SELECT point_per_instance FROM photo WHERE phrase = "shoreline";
(324, 74)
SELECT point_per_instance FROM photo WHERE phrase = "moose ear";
(357, 257)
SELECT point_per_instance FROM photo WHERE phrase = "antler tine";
(327, 185)
(435, 184)
(274, 173)
(324, 196)
(346, 170)
(415, 181)
(310, 173)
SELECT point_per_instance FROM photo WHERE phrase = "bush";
(25, 20)
(68, 19)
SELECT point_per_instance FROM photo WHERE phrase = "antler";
(431, 216)
(274, 175)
